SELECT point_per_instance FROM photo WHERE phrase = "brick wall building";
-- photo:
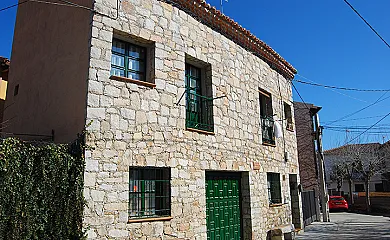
(180, 103)
(307, 158)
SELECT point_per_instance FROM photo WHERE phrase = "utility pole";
(320, 156)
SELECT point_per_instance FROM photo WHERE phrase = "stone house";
(180, 104)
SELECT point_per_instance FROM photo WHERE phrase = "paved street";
(348, 226)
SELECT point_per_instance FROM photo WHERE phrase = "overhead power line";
(380, 99)
(17, 4)
(380, 120)
(362, 118)
(341, 88)
(64, 3)
(369, 25)
(385, 125)
(333, 90)
(356, 131)
(300, 96)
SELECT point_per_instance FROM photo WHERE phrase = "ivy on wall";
(41, 190)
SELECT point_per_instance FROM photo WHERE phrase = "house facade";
(180, 104)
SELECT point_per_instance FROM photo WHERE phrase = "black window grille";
(199, 108)
(274, 190)
(150, 192)
(128, 60)
(266, 117)
(288, 116)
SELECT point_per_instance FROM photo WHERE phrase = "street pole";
(320, 155)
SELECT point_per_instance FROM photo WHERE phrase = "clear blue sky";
(324, 40)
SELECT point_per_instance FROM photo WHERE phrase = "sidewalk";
(348, 226)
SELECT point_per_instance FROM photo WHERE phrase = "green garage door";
(223, 206)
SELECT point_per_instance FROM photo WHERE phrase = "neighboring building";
(338, 155)
(180, 103)
(4, 68)
(307, 153)
(386, 176)
(307, 158)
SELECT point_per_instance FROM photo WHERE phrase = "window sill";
(277, 204)
(138, 82)
(269, 144)
(137, 220)
(200, 131)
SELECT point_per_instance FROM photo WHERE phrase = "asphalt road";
(348, 226)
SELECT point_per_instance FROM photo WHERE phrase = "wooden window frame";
(147, 59)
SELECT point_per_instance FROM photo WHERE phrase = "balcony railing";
(267, 126)
(199, 112)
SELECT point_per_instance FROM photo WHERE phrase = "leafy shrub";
(41, 190)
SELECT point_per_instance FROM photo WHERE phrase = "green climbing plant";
(41, 190)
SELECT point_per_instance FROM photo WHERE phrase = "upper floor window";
(199, 100)
(288, 116)
(266, 117)
(128, 60)
(132, 62)
(150, 192)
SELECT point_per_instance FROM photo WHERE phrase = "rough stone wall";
(134, 125)
(306, 148)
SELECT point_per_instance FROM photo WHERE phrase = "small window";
(16, 90)
(150, 192)
(266, 117)
(359, 187)
(288, 117)
(199, 100)
(133, 61)
(274, 190)
(379, 187)
(128, 60)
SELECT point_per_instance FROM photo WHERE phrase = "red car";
(337, 202)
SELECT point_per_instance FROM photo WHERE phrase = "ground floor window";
(274, 190)
(379, 187)
(359, 187)
(149, 192)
